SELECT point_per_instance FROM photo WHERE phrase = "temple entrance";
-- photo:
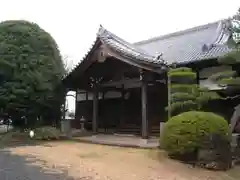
(112, 84)
(126, 103)
(118, 113)
(120, 104)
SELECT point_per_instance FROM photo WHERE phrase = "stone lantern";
(82, 121)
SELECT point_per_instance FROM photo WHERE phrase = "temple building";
(122, 87)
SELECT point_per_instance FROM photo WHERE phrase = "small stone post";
(82, 121)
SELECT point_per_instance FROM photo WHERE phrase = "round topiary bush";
(184, 133)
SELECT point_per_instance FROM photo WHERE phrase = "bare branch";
(68, 63)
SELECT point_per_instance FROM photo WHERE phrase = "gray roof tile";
(123, 48)
(126, 49)
(187, 46)
(198, 43)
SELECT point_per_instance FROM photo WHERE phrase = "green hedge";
(182, 96)
(183, 106)
(46, 133)
(184, 133)
(222, 75)
(186, 88)
(183, 77)
(230, 81)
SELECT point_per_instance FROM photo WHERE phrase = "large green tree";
(31, 69)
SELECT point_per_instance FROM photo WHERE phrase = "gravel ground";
(60, 160)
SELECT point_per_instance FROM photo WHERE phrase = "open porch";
(119, 89)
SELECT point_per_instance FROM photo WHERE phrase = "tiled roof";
(198, 43)
(122, 48)
(191, 45)
(126, 49)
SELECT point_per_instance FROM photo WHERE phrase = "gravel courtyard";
(68, 160)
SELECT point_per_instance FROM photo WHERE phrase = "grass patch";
(15, 138)
(18, 137)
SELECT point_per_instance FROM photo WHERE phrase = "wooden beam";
(143, 65)
(106, 89)
(135, 81)
(120, 82)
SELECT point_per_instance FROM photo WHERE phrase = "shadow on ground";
(16, 167)
(234, 173)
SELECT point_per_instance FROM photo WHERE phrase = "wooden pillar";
(144, 109)
(87, 96)
(95, 110)
(64, 107)
(76, 95)
(122, 118)
(104, 119)
(169, 95)
(103, 95)
(64, 104)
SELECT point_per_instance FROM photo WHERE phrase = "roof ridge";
(178, 33)
(104, 32)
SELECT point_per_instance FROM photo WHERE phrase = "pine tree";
(185, 94)
(231, 79)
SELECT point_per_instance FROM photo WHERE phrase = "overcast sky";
(74, 23)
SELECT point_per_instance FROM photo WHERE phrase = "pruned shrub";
(183, 133)
(46, 133)
(183, 76)
(184, 92)
(186, 88)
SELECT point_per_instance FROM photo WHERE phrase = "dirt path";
(87, 161)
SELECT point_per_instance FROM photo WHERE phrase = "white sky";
(74, 23)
